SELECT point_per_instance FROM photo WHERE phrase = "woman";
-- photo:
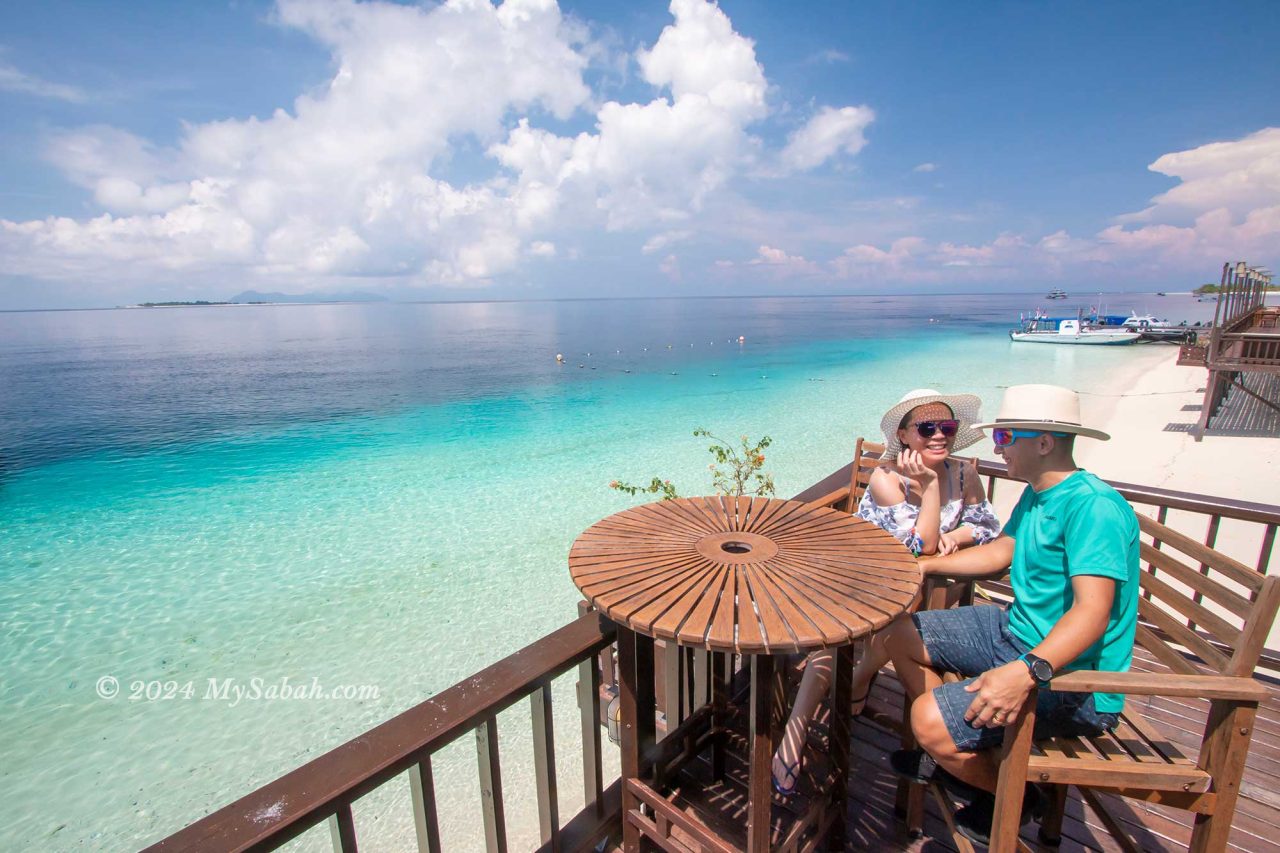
(930, 503)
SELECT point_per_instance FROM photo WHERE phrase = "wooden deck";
(872, 824)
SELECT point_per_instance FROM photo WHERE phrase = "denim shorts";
(971, 640)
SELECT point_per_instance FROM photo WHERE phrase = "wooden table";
(750, 576)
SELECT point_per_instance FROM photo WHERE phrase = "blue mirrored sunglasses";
(1004, 437)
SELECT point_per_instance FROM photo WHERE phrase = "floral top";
(900, 519)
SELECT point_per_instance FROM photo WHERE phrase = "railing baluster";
(589, 708)
(1210, 537)
(671, 684)
(544, 766)
(342, 830)
(495, 821)
(1156, 543)
(422, 791)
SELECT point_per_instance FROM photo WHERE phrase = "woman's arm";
(929, 521)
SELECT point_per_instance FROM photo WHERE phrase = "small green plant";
(736, 471)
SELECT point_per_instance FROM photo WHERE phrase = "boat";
(1075, 332)
(1056, 293)
(1153, 329)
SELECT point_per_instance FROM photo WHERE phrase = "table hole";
(736, 547)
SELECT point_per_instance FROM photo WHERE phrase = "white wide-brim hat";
(1046, 408)
(964, 407)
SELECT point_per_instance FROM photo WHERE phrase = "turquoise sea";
(379, 495)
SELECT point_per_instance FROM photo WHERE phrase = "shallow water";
(378, 495)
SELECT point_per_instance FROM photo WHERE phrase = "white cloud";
(926, 167)
(666, 238)
(829, 132)
(670, 267)
(781, 264)
(13, 80)
(348, 180)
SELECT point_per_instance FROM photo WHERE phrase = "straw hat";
(1048, 408)
(964, 406)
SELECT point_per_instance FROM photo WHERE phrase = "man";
(1071, 546)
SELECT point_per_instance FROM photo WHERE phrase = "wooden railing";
(325, 789)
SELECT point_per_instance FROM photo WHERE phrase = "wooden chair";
(1205, 617)
(866, 458)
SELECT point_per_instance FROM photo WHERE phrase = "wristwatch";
(1041, 669)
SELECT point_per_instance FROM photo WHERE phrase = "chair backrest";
(1198, 600)
(866, 458)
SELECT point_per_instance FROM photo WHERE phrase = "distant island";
(253, 297)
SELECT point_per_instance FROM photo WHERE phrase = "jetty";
(1242, 355)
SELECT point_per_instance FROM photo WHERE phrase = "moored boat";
(1075, 333)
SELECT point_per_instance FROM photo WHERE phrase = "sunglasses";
(1004, 437)
(928, 428)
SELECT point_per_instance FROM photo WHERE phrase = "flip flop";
(792, 772)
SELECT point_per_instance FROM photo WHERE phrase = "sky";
(526, 150)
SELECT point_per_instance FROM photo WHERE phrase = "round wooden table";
(750, 576)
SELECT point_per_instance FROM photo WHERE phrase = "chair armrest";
(1160, 684)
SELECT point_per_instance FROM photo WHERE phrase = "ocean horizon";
(384, 495)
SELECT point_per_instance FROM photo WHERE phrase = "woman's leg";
(813, 686)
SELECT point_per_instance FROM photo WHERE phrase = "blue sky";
(465, 150)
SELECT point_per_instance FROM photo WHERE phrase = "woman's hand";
(911, 463)
(947, 544)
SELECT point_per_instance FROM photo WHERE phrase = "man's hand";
(1001, 692)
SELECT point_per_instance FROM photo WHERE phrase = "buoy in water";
(559, 358)
(742, 339)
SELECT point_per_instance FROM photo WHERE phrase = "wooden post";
(637, 705)
(841, 724)
(1014, 755)
(760, 744)
(1228, 730)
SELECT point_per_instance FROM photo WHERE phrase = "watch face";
(1042, 670)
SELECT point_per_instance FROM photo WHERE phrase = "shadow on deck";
(872, 824)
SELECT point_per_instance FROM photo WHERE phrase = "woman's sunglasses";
(928, 428)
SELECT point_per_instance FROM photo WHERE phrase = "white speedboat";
(1074, 332)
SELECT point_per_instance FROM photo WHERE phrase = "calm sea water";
(378, 495)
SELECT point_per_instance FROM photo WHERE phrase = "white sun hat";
(1046, 408)
(963, 406)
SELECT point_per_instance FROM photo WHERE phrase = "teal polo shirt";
(1081, 526)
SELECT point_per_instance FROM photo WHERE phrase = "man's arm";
(1001, 691)
(982, 561)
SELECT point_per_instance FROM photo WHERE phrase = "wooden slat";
(589, 718)
(1179, 777)
(491, 806)
(1237, 688)
(422, 792)
(1163, 652)
(1197, 614)
(342, 830)
(1227, 598)
(544, 767)
(1181, 634)
(1234, 569)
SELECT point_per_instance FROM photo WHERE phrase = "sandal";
(861, 702)
(792, 772)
